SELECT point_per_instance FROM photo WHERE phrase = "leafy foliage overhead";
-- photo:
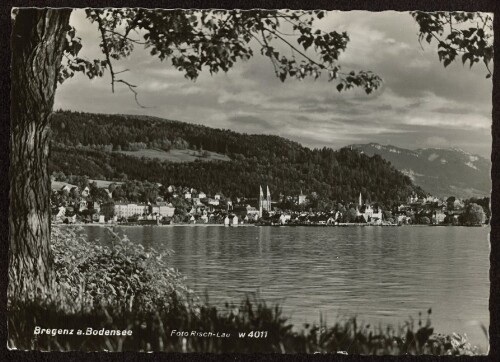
(215, 40)
(469, 35)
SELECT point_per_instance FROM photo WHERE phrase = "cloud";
(420, 99)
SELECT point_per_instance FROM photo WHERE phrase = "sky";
(421, 104)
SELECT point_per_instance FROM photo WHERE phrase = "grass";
(104, 183)
(177, 155)
(128, 287)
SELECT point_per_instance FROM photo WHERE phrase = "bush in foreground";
(124, 287)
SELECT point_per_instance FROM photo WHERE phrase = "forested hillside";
(90, 144)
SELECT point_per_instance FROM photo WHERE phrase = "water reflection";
(380, 274)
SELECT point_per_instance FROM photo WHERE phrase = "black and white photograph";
(250, 181)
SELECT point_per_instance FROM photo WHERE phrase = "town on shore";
(80, 200)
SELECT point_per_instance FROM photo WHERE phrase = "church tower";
(268, 198)
(261, 201)
(360, 200)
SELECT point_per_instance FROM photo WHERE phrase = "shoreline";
(255, 225)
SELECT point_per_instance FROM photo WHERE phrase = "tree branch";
(488, 68)
(106, 52)
(131, 88)
(270, 56)
(125, 37)
(113, 74)
(294, 48)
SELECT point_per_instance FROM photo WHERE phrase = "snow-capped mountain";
(441, 172)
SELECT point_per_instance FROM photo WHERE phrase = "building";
(61, 186)
(61, 213)
(369, 213)
(284, 219)
(202, 195)
(94, 205)
(373, 214)
(302, 198)
(413, 199)
(458, 204)
(85, 192)
(163, 209)
(187, 195)
(264, 202)
(431, 199)
(82, 205)
(438, 217)
(197, 201)
(128, 210)
(213, 202)
(252, 212)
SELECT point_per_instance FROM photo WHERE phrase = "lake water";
(381, 274)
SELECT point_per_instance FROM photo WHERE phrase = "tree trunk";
(38, 37)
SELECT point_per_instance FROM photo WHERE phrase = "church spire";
(360, 200)
(261, 201)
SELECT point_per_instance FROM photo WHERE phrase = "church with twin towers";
(264, 202)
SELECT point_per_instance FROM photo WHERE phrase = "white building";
(252, 213)
(284, 218)
(413, 199)
(85, 192)
(128, 210)
(61, 214)
(213, 202)
(370, 215)
(163, 209)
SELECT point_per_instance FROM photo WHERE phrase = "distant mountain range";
(442, 172)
